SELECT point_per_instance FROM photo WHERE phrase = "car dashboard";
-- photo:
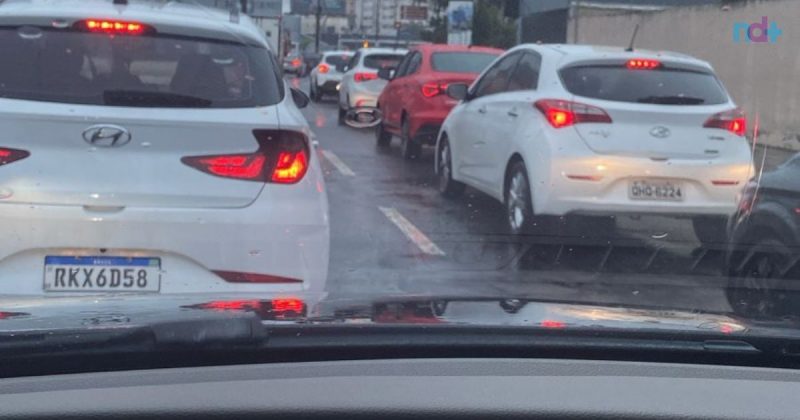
(413, 388)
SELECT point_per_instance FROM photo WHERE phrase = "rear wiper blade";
(143, 98)
(671, 100)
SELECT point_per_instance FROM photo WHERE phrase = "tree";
(490, 27)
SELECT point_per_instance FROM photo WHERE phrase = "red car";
(414, 104)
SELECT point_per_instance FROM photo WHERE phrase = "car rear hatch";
(114, 108)
(656, 108)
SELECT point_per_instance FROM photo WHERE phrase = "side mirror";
(386, 73)
(458, 91)
(300, 98)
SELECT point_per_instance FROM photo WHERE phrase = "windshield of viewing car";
(45, 64)
(601, 165)
(459, 62)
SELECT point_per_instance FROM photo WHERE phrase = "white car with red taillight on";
(156, 152)
(360, 85)
(573, 129)
(327, 75)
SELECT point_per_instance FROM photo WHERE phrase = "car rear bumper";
(289, 242)
(364, 94)
(425, 125)
(598, 184)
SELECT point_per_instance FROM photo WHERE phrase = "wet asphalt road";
(393, 235)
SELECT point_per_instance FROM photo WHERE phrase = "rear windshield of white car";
(382, 61)
(338, 59)
(666, 86)
(69, 66)
(461, 62)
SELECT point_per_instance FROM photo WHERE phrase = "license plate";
(655, 190)
(102, 274)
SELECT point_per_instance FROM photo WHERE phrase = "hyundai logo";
(107, 135)
(660, 132)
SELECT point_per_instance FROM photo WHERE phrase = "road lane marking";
(412, 232)
(335, 161)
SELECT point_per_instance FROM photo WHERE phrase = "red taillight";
(114, 27)
(12, 155)
(548, 323)
(288, 305)
(290, 168)
(429, 90)
(363, 77)
(296, 62)
(733, 121)
(642, 64)
(240, 277)
(323, 68)
(282, 157)
(280, 308)
(560, 113)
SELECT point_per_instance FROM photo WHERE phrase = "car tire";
(410, 148)
(448, 187)
(710, 230)
(383, 138)
(755, 288)
(518, 202)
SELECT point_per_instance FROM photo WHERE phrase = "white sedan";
(186, 167)
(361, 86)
(561, 130)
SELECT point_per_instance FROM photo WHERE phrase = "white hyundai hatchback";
(568, 129)
(360, 85)
(152, 147)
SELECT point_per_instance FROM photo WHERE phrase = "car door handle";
(512, 113)
(482, 110)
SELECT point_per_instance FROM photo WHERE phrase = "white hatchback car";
(326, 76)
(154, 149)
(570, 129)
(361, 86)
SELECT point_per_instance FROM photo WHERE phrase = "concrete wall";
(764, 79)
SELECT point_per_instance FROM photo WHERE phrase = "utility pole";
(318, 17)
(377, 20)
(243, 4)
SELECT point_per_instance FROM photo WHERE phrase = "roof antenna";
(633, 38)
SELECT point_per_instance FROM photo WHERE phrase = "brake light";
(12, 155)
(734, 121)
(429, 90)
(288, 305)
(642, 64)
(282, 157)
(364, 77)
(114, 27)
(296, 62)
(549, 323)
(290, 168)
(323, 68)
(280, 308)
(560, 113)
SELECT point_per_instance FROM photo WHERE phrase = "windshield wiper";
(143, 98)
(671, 100)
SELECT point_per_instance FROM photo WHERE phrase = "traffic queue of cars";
(555, 131)
(156, 149)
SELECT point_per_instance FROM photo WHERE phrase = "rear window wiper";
(671, 100)
(149, 99)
